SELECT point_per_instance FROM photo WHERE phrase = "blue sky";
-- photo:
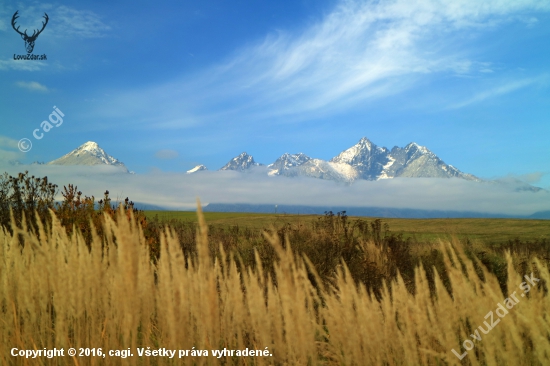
(165, 86)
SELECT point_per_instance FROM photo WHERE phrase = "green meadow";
(485, 230)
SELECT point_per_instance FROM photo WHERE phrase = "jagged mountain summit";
(198, 168)
(240, 163)
(292, 165)
(415, 161)
(88, 154)
(365, 160)
(368, 160)
(286, 162)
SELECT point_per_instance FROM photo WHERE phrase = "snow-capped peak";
(90, 146)
(364, 142)
(197, 169)
(287, 161)
(88, 153)
(93, 148)
(360, 149)
(241, 162)
(290, 160)
(422, 149)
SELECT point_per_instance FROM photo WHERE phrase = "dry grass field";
(59, 292)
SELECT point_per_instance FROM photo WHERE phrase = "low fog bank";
(178, 191)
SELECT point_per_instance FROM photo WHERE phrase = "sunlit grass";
(58, 292)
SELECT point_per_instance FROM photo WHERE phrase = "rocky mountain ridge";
(365, 160)
(240, 163)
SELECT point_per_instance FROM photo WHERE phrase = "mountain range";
(364, 160)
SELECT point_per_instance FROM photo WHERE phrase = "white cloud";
(24, 65)
(495, 91)
(9, 151)
(76, 23)
(364, 48)
(361, 51)
(32, 86)
(531, 178)
(179, 190)
(4, 20)
(530, 22)
(6, 142)
(69, 22)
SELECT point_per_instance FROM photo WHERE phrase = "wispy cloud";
(166, 154)
(76, 23)
(6, 142)
(69, 21)
(9, 152)
(361, 51)
(534, 177)
(3, 22)
(495, 91)
(531, 178)
(32, 86)
(11, 64)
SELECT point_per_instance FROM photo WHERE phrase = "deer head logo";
(29, 40)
